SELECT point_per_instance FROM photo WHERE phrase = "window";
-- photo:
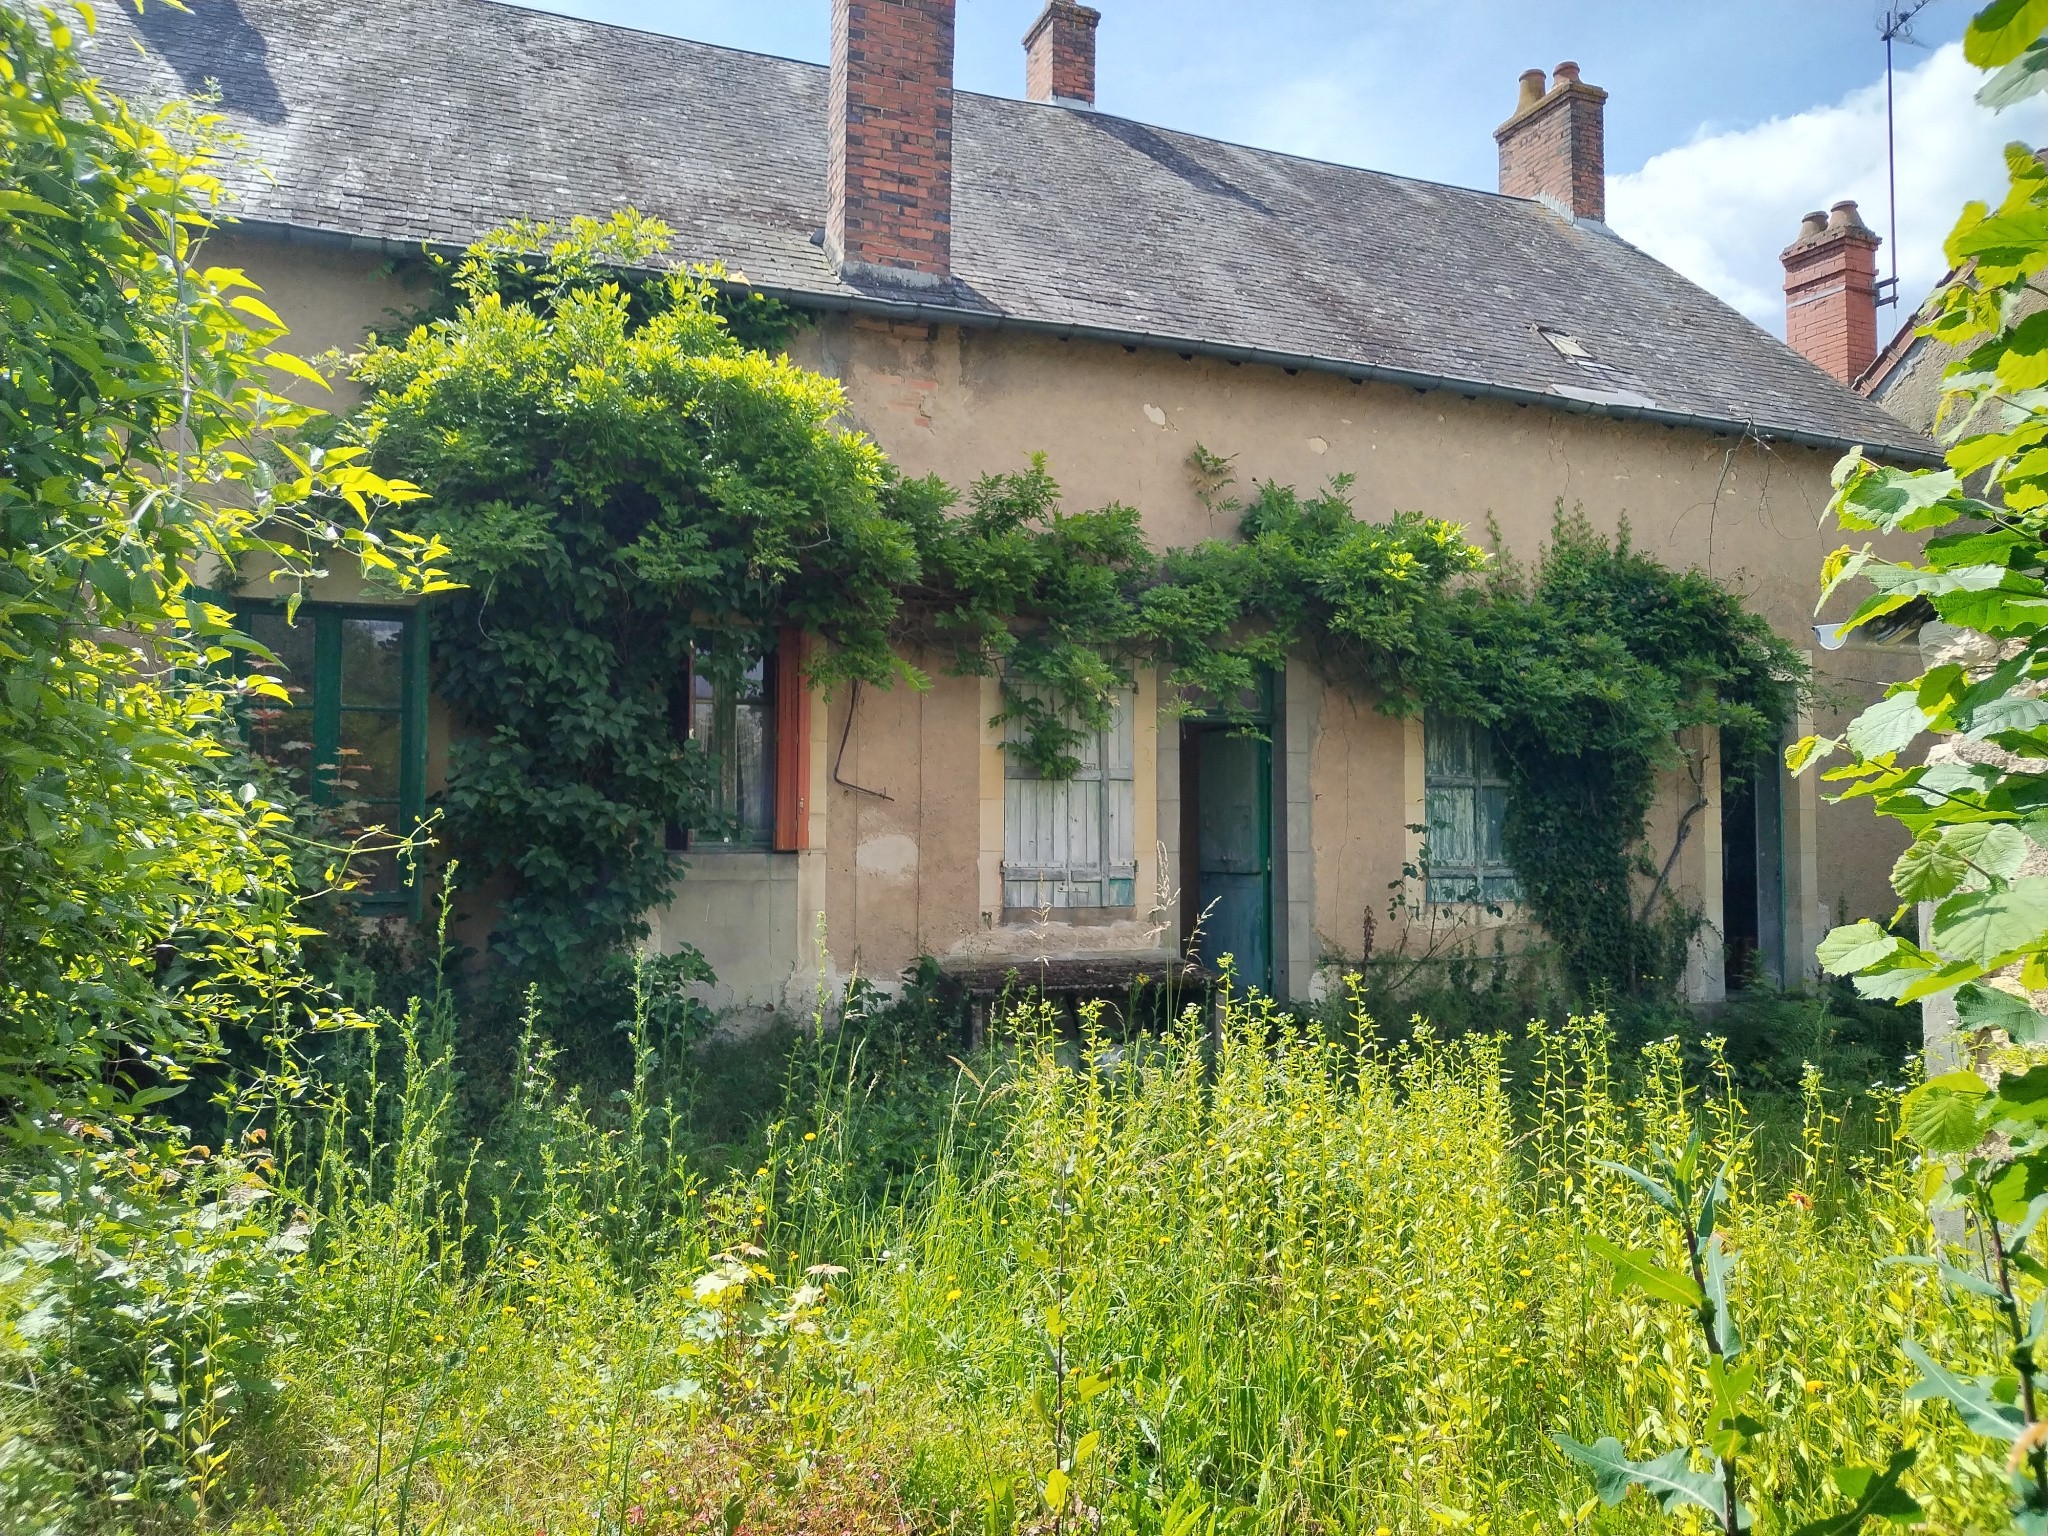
(354, 736)
(734, 722)
(1071, 842)
(1466, 799)
(756, 731)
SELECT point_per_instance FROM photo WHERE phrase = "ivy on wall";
(619, 471)
(619, 474)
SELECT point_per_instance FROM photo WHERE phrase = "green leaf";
(1717, 1264)
(2002, 31)
(298, 367)
(1987, 1007)
(1996, 848)
(1641, 1272)
(1732, 1427)
(1669, 1478)
(1981, 1411)
(1651, 1187)
(1056, 1485)
(1986, 927)
(1888, 726)
(1947, 1114)
(2013, 240)
(1854, 948)
(1929, 869)
(2022, 78)
(1873, 1495)
(1961, 1279)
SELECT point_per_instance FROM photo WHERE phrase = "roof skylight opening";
(1567, 346)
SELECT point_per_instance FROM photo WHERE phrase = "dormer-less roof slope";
(434, 120)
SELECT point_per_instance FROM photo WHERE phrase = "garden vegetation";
(1285, 1272)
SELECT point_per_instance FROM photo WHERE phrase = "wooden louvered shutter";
(792, 743)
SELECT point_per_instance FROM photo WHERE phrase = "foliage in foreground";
(1976, 803)
(147, 899)
(1303, 1287)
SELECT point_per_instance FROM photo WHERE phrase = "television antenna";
(1894, 26)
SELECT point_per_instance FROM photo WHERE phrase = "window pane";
(1485, 754)
(372, 662)
(293, 645)
(369, 754)
(752, 804)
(1466, 808)
(1446, 747)
(731, 721)
(1493, 815)
(1451, 818)
(278, 733)
(381, 873)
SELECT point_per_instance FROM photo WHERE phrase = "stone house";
(989, 277)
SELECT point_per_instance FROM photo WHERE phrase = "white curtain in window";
(1072, 842)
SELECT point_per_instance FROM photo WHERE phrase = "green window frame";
(1465, 801)
(356, 734)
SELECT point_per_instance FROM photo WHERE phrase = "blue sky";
(1726, 119)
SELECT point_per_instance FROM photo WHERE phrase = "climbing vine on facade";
(631, 488)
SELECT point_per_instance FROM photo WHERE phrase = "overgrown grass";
(1298, 1280)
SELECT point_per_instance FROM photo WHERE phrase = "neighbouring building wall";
(907, 839)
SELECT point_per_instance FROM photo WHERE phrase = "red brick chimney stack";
(1831, 291)
(890, 175)
(1059, 55)
(1554, 147)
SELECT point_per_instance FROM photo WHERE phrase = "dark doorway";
(1753, 879)
(1226, 851)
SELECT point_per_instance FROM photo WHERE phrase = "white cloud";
(1721, 208)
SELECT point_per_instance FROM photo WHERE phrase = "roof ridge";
(538, 8)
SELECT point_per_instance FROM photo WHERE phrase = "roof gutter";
(919, 311)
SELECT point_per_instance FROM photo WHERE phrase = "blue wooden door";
(1233, 884)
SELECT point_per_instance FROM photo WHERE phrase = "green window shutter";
(1465, 809)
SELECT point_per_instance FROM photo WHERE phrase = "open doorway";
(1227, 850)
(1753, 879)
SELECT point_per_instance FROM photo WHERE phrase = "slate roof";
(405, 121)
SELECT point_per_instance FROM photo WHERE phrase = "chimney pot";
(889, 188)
(1831, 292)
(1059, 54)
(1554, 147)
(1843, 215)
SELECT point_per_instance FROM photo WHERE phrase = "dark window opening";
(1753, 880)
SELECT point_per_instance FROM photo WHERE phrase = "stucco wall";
(911, 873)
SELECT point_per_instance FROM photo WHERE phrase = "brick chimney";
(890, 175)
(1831, 291)
(1554, 147)
(1059, 55)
